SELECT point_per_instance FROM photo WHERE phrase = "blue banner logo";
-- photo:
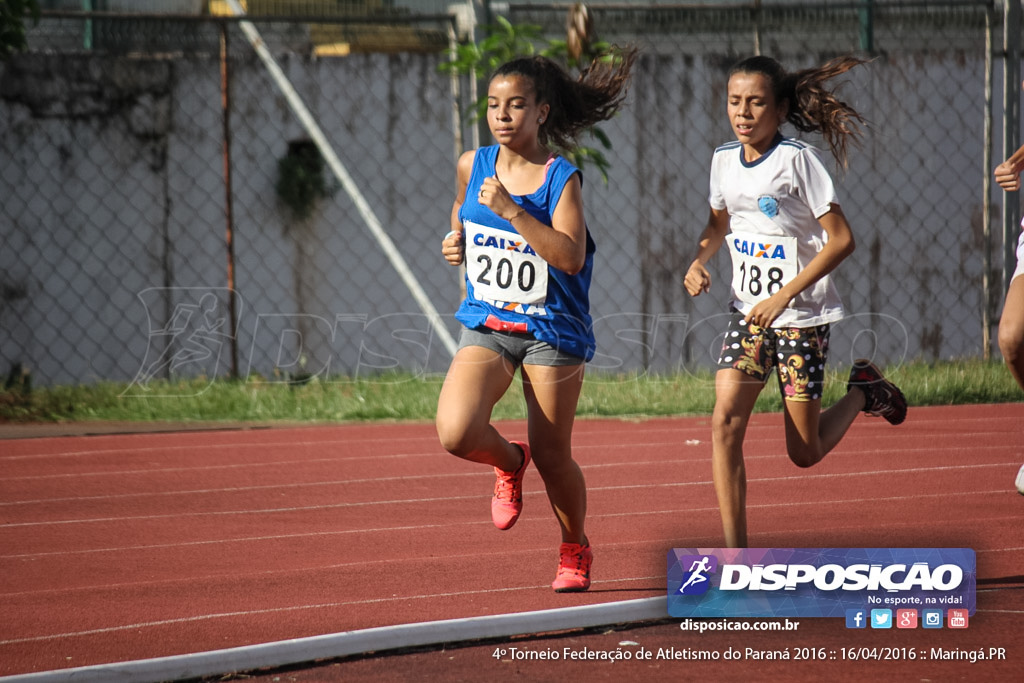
(820, 582)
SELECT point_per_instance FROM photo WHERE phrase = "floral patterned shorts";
(798, 353)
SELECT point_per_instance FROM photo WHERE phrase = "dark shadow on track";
(1017, 580)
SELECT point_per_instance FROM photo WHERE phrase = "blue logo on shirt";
(769, 205)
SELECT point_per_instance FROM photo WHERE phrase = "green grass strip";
(406, 397)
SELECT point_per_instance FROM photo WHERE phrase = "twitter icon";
(881, 618)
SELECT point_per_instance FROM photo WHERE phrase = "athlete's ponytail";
(812, 106)
(576, 104)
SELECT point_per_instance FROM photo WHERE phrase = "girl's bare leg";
(735, 395)
(552, 393)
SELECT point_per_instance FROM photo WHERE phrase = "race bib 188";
(761, 264)
(502, 267)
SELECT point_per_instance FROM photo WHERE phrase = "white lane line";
(845, 454)
(428, 438)
(480, 473)
(421, 527)
(915, 471)
(296, 608)
(629, 431)
(664, 542)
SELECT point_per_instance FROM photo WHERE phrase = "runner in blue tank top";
(509, 286)
(518, 226)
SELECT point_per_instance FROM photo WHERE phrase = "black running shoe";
(884, 398)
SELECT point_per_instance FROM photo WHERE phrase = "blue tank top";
(561, 314)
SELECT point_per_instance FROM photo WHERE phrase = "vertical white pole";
(342, 174)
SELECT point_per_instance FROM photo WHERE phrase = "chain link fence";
(170, 208)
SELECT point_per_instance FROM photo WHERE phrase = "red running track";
(135, 546)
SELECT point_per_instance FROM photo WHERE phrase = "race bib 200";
(503, 267)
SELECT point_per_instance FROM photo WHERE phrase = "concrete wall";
(112, 232)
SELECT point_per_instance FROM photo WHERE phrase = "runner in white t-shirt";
(774, 207)
(1011, 322)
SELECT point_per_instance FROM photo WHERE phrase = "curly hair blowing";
(812, 106)
(576, 104)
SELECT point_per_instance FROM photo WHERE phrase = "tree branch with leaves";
(505, 41)
(13, 14)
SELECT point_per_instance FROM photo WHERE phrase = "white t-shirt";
(774, 205)
(1020, 254)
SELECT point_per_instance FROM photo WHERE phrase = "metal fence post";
(987, 313)
(756, 12)
(229, 231)
(867, 25)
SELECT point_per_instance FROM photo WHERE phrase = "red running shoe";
(574, 562)
(508, 492)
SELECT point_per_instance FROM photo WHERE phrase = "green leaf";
(12, 24)
(505, 41)
(601, 137)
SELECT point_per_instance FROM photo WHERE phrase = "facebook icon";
(856, 618)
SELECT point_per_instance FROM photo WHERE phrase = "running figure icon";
(697, 573)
